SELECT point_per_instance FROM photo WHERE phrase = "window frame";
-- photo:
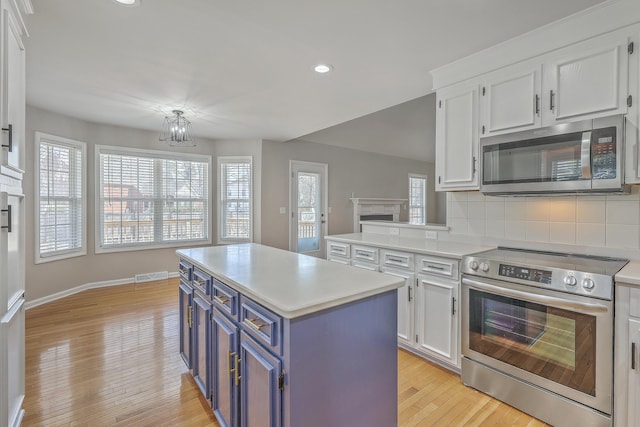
(39, 138)
(233, 159)
(424, 198)
(155, 154)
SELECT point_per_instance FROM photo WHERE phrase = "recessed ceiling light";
(323, 68)
(129, 2)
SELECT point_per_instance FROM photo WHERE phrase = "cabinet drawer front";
(225, 298)
(364, 253)
(185, 269)
(261, 323)
(365, 265)
(201, 281)
(339, 249)
(396, 259)
(439, 266)
(634, 302)
(339, 260)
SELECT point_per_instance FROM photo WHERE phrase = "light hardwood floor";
(109, 357)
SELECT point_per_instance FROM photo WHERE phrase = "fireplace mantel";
(375, 206)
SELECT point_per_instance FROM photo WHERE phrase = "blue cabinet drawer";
(185, 269)
(225, 298)
(201, 281)
(264, 325)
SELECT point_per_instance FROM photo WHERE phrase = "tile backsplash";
(611, 221)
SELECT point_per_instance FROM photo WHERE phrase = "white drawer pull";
(435, 267)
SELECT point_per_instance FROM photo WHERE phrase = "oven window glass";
(553, 343)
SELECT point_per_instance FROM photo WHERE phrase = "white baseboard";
(92, 285)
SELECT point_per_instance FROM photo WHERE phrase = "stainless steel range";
(537, 332)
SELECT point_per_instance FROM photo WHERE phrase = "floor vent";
(148, 277)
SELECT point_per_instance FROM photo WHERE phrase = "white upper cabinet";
(510, 100)
(586, 80)
(12, 91)
(632, 125)
(457, 138)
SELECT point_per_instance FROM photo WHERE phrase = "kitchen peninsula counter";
(420, 246)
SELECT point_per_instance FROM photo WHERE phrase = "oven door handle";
(542, 299)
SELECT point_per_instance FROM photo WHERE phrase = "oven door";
(557, 341)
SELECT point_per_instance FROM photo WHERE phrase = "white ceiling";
(243, 68)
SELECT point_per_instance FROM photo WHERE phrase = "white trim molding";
(92, 285)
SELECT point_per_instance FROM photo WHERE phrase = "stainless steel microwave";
(578, 157)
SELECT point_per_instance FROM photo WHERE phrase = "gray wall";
(57, 276)
(350, 171)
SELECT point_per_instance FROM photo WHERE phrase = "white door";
(405, 304)
(510, 100)
(586, 80)
(14, 102)
(15, 250)
(437, 308)
(308, 207)
(634, 374)
(457, 138)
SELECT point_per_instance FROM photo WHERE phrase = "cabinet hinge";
(211, 317)
(629, 101)
(281, 381)
(440, 104)
(630, 48)
(484, 90)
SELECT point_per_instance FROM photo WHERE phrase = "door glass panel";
(552, 343)
(309, 217)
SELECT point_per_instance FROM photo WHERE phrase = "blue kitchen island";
(276, 338)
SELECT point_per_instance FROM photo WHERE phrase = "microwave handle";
(585, 155)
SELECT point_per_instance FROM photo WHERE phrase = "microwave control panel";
(522, 273)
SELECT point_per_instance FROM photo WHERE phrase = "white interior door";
(308, 207)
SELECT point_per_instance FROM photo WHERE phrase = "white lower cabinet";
(626, 394)
(633, 387)
(427, 304)
(437, 320)
(12, 365)
(406, 298)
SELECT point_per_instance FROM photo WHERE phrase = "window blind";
(60, 205)
(235, 199)
(148, 199)
(417, 199)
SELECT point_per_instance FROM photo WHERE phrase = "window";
(417, 199)
(60, 205)
(151, 199)
(234, 203)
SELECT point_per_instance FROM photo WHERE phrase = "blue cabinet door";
(201, 349)
(260, 395)
(225, 363)
(186, 320)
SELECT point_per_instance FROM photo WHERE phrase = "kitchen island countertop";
(288, 283)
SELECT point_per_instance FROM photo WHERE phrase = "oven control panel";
(530, 274)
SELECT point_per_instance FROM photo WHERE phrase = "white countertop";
(630, 274)
(423, 246)
(290, 284)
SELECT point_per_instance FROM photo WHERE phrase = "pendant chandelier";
(176, 131)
